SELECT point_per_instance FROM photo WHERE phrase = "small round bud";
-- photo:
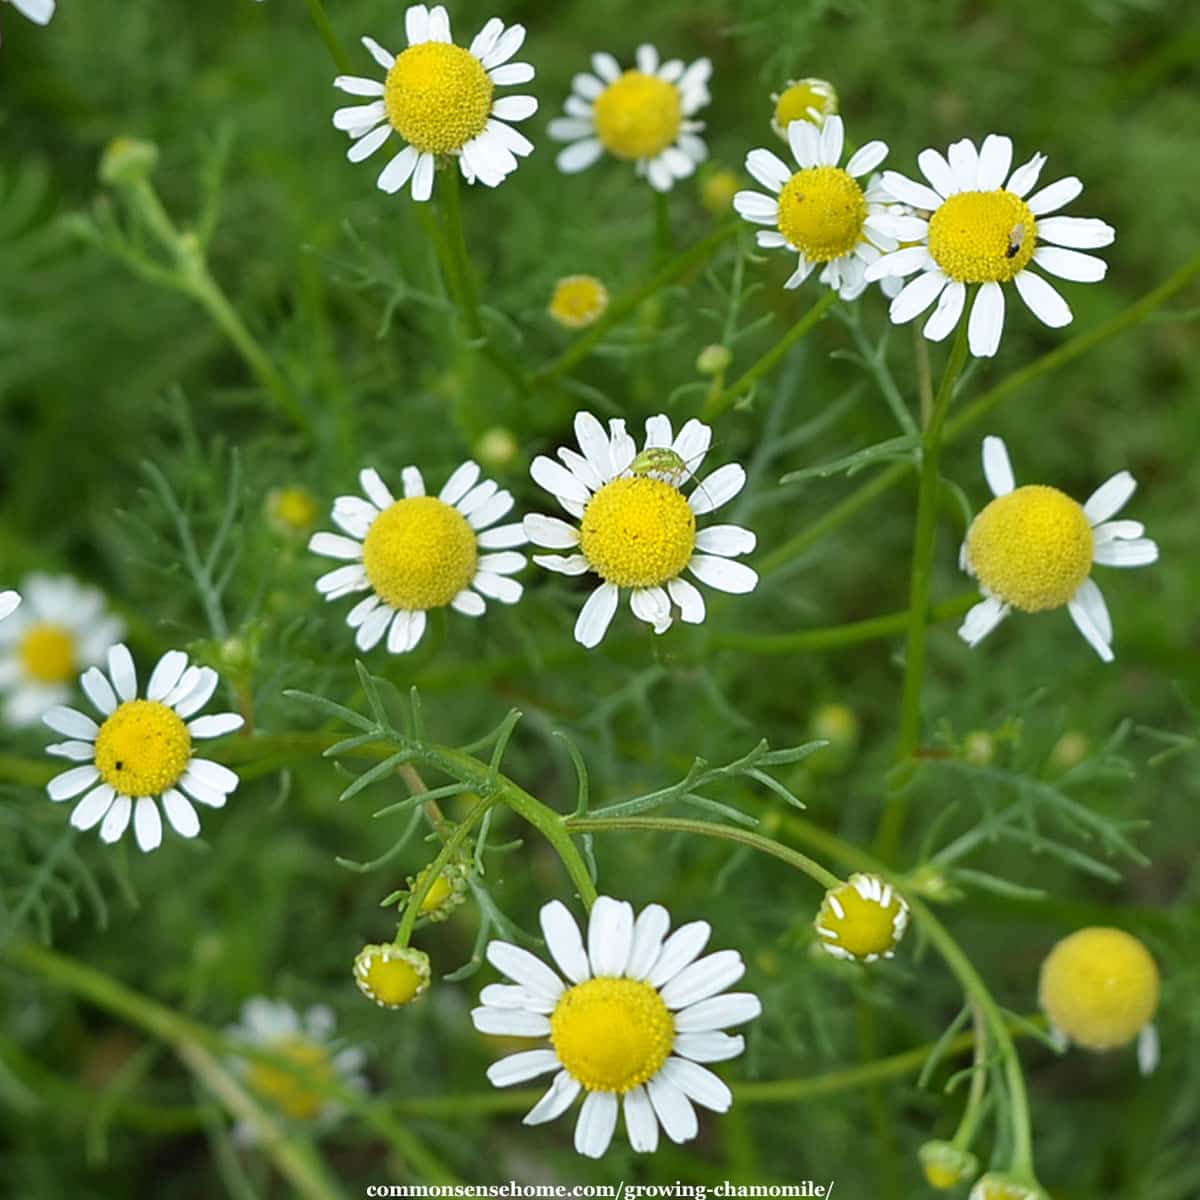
(946, 1166)
(997, 1186)
(391, 975)
(445, 894)
(498, 448)
(862, 919)
(292, 511)
(979, 748)
(935, 884)
(1069, 751)
(713, 359)
(127, 161)
(838, 725)
(809, 100)
(1100, 987)
(578, 301)
(718, 190)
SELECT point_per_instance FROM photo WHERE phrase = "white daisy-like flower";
(862, 919)
(983, 230)
(306, 1041)
(636, 528)
(142, 751)
(441, 100)
(811, 100)
(821, 212)
(643, 115)
(9, 603)
(420, 552)
(62, 629)
(1032, 548)
(639, 1013)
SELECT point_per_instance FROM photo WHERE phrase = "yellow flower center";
(796, 101)
(981, 237)
(864, 926)
(143, 748)
(47, 653)
(821, 213)
(638, 532)
(1032, 548)
(438, 96)
(420, 553)
(1100, 987)
(638, 116)
(293, 509)
(299, 1096)
(612, 1034)
(578, 301)
(391, 975)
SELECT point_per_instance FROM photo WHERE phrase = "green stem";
(629, 303)
(895, 811)
(849, 634)
(718, 403)
(973, 1110)
(325, 30)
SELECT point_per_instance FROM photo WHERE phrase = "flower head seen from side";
(985, 228)
(143, 750)
(862, 920)
(643, 115)
(419, 553)
(440, 99)
(637, 529)
(390, 975)
(820, 211)
(304, 1042)
(637, 1016)
(60, 630)
(811, 100)
(1033, 547)
(1099, 987)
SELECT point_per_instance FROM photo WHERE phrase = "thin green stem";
(973, 1110)
(316, 10)
(719, 402)
(896, 808)
(624, 306)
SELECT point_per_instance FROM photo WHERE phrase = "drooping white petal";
(640, 1122)
(987, 320)
(916, 296)
(597, 1120)
(398, 172)
(689, 599)
(180, 813)
(1085, 621)
(596, 615)
(981, 620)
(558, 1098)
(948, 312)
(1043, 300)
(673, 1108)
(652, 606)
(698, 1083)
(116, 820)
(147, 825)
(422, 178)
(90, 811)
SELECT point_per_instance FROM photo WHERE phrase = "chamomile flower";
(9, 603)
(820, 212)
(441, 100)
(306, 1042)
(143, 750)
(419, 553)
(639, 1013)
(62, 629)
(637, 529)
(578, 301)
(983, 230)
(642, 115)
(996, 1185)
(391, 975)
(1099, 987)
(1032, 548)
(862, 920)
(811, 100)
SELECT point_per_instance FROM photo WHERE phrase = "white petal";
(416, 24)
(497, 587)
(1070, 264)
(490, 511)
(116, 820)
(692, 443)
(652, 606)
(1083, 233)
(705, 977)
(641, 1125)
(769, 169)
(687, 596)
(610, 935)
(564, 564)
(709, 1047)
(1042, 299)
(755, 207)
(506, 562)
(514, 141)
(180, 813)
(1091, 600)
(719, 488)
(997, 468)
(332, 545)
(1136, 553)
(557, 480)
(916, 296)
(648, 932)
(1123, 530)
(964, 162)
(579, 155)
(659, 433)
(71, 783)
(647, 59)
(596, 615)
(122, 672)
(698, 1083)
(374, 487)
(422, 180)
(673, 1108)
(1110, 497)
(570, 129)
(215, 725)
(606, 66)
(723, 574)
(910, 192)
(948, 312)
(354, 515)
(147, 824)
(902, 262)
(805, 143)
(485, 40)
(1053, 196)
(468, 603)
(502, 537)
(1148, 1050)
(727, 541)
(413, 481)
(75, 751)
(681, 949)
(550, 532)
(981, 620)
(356, 85)
(936, 169)
(517, 1068)
(1026, 175)
(1086, 624)
(213, 775)
(91, 809)
(71, 723)
(507, 44)
(514, 108)
(558, 1098)
(597, 1120)
(564, 941)
(98, 690)
(371, 631)
(866, 158)
(197, 695)
(524, 968)
(511, 74)
(995, 158)
(398, 172)
(833, 138)
(987, 320)
(385, 59)
(511, 995)
(510, 1022)
(733, 1008)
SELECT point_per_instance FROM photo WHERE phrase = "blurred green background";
(101, 371)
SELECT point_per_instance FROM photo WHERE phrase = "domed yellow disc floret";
(638, 116)
(438, 96)
(297, 1095)
(638, 532)
(983, 237)
(391, 975)
(419, 553)
(821, 213)
(864, 919)
(1031, 548)
(47, 653)
(1100, 987)
(612, 1034)
(143, 748)
(578, 300)
(799, 100)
